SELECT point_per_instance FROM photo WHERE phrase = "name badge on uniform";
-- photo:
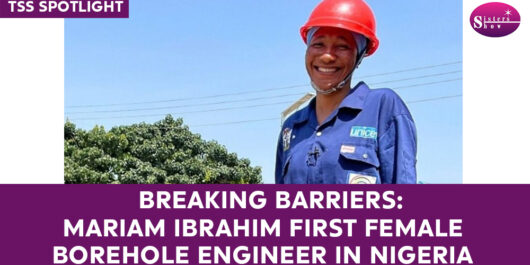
(286, 137)
(363, 132)
(347, 149)
(355, 178)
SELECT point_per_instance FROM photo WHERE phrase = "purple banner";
(264, 224)
(64, 8)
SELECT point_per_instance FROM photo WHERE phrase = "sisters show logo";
(495, 19)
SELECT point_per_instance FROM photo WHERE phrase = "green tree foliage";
(163, 152)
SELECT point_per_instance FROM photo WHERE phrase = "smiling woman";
(345, 135)
(330, 56)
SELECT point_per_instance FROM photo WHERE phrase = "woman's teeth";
(327, 70)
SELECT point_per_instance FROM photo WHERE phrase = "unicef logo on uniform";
(495, 19)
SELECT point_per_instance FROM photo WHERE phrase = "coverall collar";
(354, 100)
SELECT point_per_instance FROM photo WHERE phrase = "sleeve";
(279, 161)
(397, 151)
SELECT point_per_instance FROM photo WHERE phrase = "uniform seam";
(390, 122)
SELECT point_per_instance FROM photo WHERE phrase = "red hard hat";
(352, 15)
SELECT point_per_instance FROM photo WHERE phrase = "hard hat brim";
(373, 42)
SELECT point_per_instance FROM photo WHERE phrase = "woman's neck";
(326, 104)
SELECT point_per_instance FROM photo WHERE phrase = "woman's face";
(330, 57)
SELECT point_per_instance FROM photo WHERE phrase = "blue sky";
(194, 49)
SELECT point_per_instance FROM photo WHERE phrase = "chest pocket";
(362, 158)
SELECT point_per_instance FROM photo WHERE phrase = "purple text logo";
(495, 19)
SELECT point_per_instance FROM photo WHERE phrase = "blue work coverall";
(369, 138)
